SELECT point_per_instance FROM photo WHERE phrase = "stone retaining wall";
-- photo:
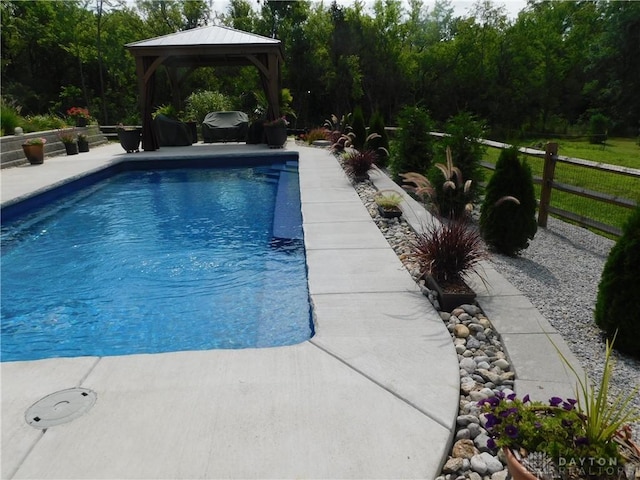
(11, 153)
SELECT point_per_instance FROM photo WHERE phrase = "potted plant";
(586, 438)
(446, 252)
(80, 115)
(69, 138)
(34, 150)
(388, 202)
(83, 142)
(276, 132)
(129, 138)
(357, 164)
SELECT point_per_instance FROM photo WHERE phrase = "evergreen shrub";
(359, 129)
(598, 126)
(462, 131)
(412, 147)
(507, 225)
(619, 290)
(379, 144)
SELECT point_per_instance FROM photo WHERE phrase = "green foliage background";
(547, 70)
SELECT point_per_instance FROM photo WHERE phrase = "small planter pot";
(276, 135)
(359, 178)
(450, 300)
(389, 212)
(34, 153)
(129, 140)
(83, 146)
(71, 148)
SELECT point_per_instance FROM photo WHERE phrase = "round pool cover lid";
(60, 407)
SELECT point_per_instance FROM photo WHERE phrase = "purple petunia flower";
(582, 441)
(508, 412)
(491, 444)
(526, 399)
(511, 397)
(511, 431)
(567, 406)
(555, 401)
(491, 420)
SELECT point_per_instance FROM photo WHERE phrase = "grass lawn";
(617, 151)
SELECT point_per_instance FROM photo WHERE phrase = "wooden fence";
(548, 183)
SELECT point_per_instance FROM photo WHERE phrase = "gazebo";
(203, 47)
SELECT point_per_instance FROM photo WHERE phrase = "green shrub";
(40, 123)
(463, 129)
(507, 224)
(9, 119)
(377, 138)
(412, 148)
(200, 103)
(598, 126)
(619, 290)
(359, 128)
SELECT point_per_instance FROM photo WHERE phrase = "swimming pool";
(154, 261)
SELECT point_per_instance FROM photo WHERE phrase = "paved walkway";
(373, 394)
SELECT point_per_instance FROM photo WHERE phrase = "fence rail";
(548, 183)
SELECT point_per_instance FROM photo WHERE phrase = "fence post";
(551, 150)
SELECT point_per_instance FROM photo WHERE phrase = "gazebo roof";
(214, 45)
(213, 35)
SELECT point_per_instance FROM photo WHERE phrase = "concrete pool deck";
(374, 394)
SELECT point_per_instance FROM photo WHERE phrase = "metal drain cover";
(60, 407)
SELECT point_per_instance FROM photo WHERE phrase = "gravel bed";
(559, 272)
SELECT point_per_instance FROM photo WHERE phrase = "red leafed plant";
(357, 163)
(78, 112)
(448, 251)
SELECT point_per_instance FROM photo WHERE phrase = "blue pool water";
(153, 261)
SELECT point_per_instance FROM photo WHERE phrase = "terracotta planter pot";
(34, 153)
(449, 300)
(516, 469)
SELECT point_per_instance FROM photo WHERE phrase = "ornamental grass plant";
(448, 251)
(358, 163)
